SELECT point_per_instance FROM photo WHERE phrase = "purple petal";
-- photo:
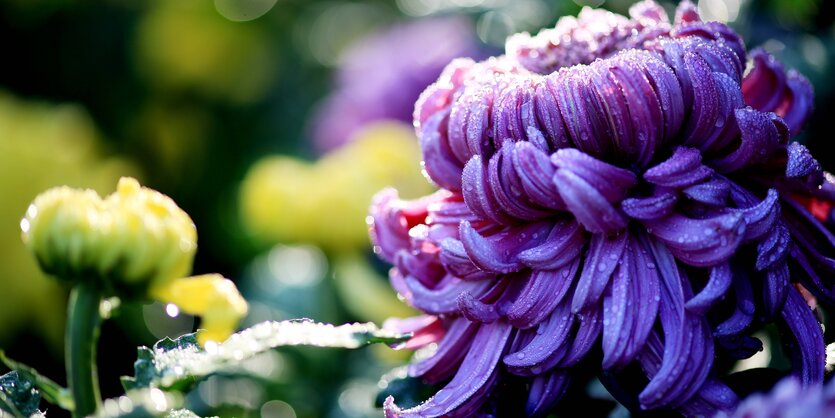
(763, 86)
(683, 169)
(440, 163)
(563, 245)
(499, 253)
(774, 248)
(700, 242)
(758, 141)
(585, 202)
(549, 118)
(455, 260)
(776, 288)
(686, 339)
(613, 183)
(589, 326)
(705, 105)
(471, 383)
(475, 310)
(545, 392)
(807, 349)
(760, 219)
(540, 295)
(451, 351)
(656, 206)
(444, 298)
(631, 307)
(800, 162)
(477, 193)
(713, 192)
(717, 286)
(601, 260)
(507, 189)
(743, 313)
(798, 102)
(546, 348)
(536, 172)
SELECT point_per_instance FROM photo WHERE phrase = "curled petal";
(656, 206)
(585, 202)
(687, 340)
(546, 348)
(475, 310)
(392, 218)
(774, 248)
(807, 349)
(705, 103)
(700, 242)
(506, 187)
(776, 288)
(764, 85)
(454, 258)
(563, 245)
(535, 171)
(713, 192)
(601, 260)
(477, 192)
(450, 353)
(797, 103)
(443, 299)
(499, 253)
(759, 139)
(800, 162)
(545, 392)
(717, 286)
(473, 381)
(744, 311)
(629, 311)
(541, 294)
(439, 161)
(684, 168)
(760, 219)
(613, 183)
(589, 327)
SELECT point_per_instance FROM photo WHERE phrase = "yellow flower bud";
(133, 239)
(211, 296)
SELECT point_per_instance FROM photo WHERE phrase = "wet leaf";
(18, 396)
(178, 364)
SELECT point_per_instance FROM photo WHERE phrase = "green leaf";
(18, 396)
(178, 364)
(51, 391)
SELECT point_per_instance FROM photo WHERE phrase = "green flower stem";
(82, 336)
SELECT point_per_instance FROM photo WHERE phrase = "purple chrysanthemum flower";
(382, 75)
(788, 399)
(613, 183)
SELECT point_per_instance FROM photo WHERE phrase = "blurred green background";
(271, 122)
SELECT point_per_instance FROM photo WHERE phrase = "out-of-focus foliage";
(189, 46)
(285, 199)
(41, 146)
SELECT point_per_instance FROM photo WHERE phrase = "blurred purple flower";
(382, 75)
(788, 399)
(616, 180)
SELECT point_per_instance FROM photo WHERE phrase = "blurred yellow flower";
(211, 296)
(41, 145)
(284, 199)
(135, 243)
